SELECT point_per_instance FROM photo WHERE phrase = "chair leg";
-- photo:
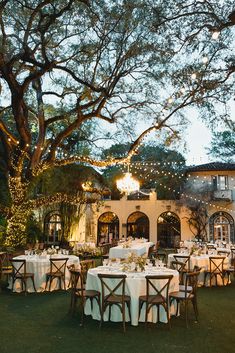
(101, 314)
(34, 284)
(168, 316)
(146, 314)
(140, 307)
(194, 302)
(186, 313)
(129, 310)
(46, 282)
(50, 284)
(110, 307)
(97, 298)
(124, 316)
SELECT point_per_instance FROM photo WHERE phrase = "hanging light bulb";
(128, 184)
(205, 59)
(215, 34)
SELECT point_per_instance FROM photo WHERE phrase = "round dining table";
(39, 266)
(135, 287)
(202, 261)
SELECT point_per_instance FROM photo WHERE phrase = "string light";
(17, 188)
(205, 59)
(215, 35)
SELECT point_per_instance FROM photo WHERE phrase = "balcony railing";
(225, 195)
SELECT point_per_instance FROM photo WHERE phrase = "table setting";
(39, 265)
(135, 287)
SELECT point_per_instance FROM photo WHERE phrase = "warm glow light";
(215, 35)
(128, 184)
(193, 76)
(205, 59)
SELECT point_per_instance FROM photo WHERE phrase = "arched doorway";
(108, 228)
(168, 230)
(221, 225)
(53, 228)
(138, 225)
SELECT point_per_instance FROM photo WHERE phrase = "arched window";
(138, 225)
(108, 228)
(168, 230)
(53, 228)
(221, 226)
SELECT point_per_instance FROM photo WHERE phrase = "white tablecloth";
(201, 261)
(136, 247)
(40, 266)
(135, 287)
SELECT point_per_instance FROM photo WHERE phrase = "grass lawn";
(41, 323)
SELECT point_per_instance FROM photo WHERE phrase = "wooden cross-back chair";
(78, 291)
(180, 267)
(231, 269)
(5, 264)
(157, 294)
(216, 268)
(187, 294)
(57, 271)
(85, 267)
(19, 273)
(111, 287)
(185, 259)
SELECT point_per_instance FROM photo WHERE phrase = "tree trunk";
(17, 218)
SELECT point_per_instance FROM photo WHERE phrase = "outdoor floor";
(41, 323)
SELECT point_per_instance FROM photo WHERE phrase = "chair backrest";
(196, 268)
(112, 285)
(191, 282)
(2, 259)
(85, 267)
(58, 265)
(211, 247)
(223, 253)
(158, 286)
(232, 256)
(216, 264)
(178, 265)
(75, 276)
(161, 256)
(183, 258)
(5, 258)
(18, 267)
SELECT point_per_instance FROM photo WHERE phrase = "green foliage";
(3, 225)
(67, 179)
(167, 165)
(223, 145)
(33, 230)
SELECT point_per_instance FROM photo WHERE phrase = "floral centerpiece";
(195, 250)
(127, 244)
(51, 251)
(86, 251)
(134, 262)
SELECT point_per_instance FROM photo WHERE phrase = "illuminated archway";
(138, 225)
(108, 228)
(168, 230)
(221, 227)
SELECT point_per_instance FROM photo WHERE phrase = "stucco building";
(212, 186)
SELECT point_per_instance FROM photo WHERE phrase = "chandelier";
(128, 184)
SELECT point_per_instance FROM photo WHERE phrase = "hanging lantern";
(128, 184)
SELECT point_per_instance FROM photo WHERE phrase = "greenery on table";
(87, 251)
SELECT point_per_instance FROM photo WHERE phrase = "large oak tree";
(72, 66)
